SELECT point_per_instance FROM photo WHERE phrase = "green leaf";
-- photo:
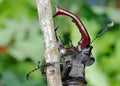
(95, 76)
(99, 10)
(10, 79)
(114, 14)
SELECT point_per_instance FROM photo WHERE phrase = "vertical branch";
(51, 50)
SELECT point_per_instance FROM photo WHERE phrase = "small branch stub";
(51, 49)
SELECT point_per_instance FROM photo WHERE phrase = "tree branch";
(51, 49)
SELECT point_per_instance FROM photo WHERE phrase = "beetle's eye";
(86, 53)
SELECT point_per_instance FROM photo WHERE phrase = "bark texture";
(51, 50)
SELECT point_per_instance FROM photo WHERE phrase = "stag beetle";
(74, 58)
(78, 57)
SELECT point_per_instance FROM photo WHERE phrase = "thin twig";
(51, 49)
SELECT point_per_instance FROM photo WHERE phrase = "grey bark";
(51, 50)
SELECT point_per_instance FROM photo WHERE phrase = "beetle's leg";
(58, 38)
(71, 44)
(39, 66)
(28, 74)
(61, 44)
(66, 70)
(42, 66)
(63, 49)
(56, 28)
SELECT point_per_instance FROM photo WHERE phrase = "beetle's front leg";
(66, 70)
(42, 67)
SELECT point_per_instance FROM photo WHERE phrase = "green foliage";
(21, 41)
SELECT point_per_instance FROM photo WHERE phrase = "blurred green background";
(21, 41)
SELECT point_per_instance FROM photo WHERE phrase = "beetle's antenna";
(103, 31)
